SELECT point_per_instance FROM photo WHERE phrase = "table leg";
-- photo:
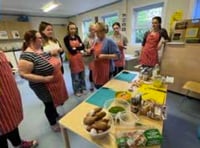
(65, 136)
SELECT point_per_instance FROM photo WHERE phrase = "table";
(74, 124)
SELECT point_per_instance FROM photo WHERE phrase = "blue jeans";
(78, 82)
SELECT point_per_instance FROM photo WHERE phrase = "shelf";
(9, 40)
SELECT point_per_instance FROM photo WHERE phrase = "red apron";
(121, 61)
(100, 71)
(149, 53)
(76, 63)
(57, 87)
(11, 113)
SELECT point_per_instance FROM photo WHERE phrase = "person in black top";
(75, 49)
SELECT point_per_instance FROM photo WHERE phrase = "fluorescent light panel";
(50, 6)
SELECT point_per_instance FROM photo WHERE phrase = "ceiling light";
(50, 6)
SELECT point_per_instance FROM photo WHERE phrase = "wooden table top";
(74, 119)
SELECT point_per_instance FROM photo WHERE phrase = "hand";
(48, 78)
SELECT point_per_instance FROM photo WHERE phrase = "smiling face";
(72, 29)
(155, 24)
(48, 31)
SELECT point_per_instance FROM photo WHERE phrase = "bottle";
(155, 71)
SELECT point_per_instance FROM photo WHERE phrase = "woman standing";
(11, 113)
(50, 43)
(42, 70)
(75, 46)
(105, 51)
(89, 43)
(121, 42)
(152, 42)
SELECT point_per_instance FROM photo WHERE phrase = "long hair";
(42, 27)
(71, 23)
(29, 36)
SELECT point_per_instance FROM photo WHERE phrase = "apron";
(11, 113)
(149, 54)
(100, 71)
(57, 87)
(121, 61)
(76, 63)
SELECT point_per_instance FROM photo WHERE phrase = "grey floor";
(180, 128)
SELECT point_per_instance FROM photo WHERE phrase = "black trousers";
(13, 136)
(51, 113)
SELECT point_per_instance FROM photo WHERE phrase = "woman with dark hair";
(152, 42)
(105, 51)
(75, 46)
(42, 70)
(11, 112)
(49, 42)
(121, 42)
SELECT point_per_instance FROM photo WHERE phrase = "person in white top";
(49, 41)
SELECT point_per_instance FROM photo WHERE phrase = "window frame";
(135, 11)
(196, 13)
(83, 27)
(112, 14)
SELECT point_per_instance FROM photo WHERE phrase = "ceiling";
(66, 9)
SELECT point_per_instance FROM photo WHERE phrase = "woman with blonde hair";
(89, 43)
(105, 52)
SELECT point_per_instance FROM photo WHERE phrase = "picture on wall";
(15, 34)
(3, 35)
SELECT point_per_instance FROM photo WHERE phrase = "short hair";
(116, 23)
(102, 26)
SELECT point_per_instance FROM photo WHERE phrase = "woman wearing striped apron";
(11, 113)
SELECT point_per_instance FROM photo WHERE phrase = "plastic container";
(128, 119)
(114, 106)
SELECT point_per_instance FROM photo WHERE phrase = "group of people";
(41, 64)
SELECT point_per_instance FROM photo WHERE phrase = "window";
(109, 20)
(85, 27)
(143, 17)
(196, 13)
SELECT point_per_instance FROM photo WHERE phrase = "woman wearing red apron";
(49, 41)
(44, 75)
(105, 50)
(152, 43)
(75, 46)
(89, 43)
(11, 113)
(121, 41)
